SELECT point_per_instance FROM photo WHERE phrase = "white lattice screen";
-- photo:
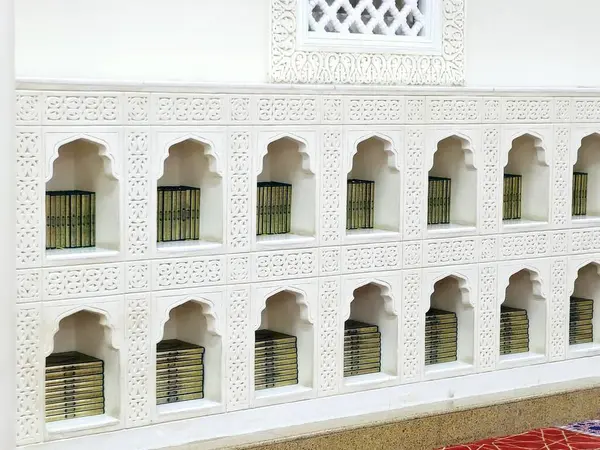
(374, 17)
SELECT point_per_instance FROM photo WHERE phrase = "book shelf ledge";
(447, 370)
(269, 240)
(446, 229)
(520, 359)
(187, 246)
(369, 379)
(585, 221)
(372, 234)
(582, 350)
(523, 224)
(58, 429)
(192, 408)
(286, 394)
(67, 254)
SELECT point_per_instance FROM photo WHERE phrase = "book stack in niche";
(177, 213)
(580, 180)
(581, 313)
(360, 204)
(511, 205)
(514, 330)
(74, 386)
(441, 330)
(438, 200)
(273, 208)
(275, 360)
(179, 371)
(70, 219)
(362, 348)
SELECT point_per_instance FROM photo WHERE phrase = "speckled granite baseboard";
(453, 428)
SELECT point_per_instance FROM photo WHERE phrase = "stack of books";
(179, 371)
(514, 330)
(581, 330)
(438, 200)
(177, 213)
(441, 331)
(273, 208)
(74, 386)
(70, 219)
(275, 360)
(360, 204)
(580, 193)
(362, 348)
(511, 206)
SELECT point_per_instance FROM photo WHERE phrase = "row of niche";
(287, 312)
(82, 164)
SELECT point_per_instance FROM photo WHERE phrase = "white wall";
(510, 43)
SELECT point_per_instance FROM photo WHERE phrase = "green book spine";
(48, 220)
(93, 219)
(584, 194)
(278, 208)
(67, 226)
(182, 217)
(85, 220)
(52, 242)
(168, 202)
(519, 196)
(365, 204)
(432, 200)
(348, 205)
(188, 213)
(59, 220)
(579, 194)
(198, 213)
(177, 212)
(505, 198)
(268, 208)
(429, 203)
(289, 209)
(371, 211)
(159, 214)
(512, 198)
(194, 222)
(437, 210)
(449, 200)
(283, 209)
(352, 203)
(574, 196)
(259, 209)
(73, 211)
(444, 208)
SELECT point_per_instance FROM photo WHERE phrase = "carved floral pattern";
(488, 324)
(562, 176)
(412, 341)
(331, 179)
(558, 310)
(90, 281)
(329, 330)
(490, 211)
(81, 108)
(138, 195)
(238, 352)
(239, 192)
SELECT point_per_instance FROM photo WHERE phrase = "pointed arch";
(573, 275)
(208, 311)
(385, 291)
(307, 164)
(104, 320)
(110, 166)
(464, 287)
(538, 144)
(535, 278)
(393, 159)
(466, 144)
(306, 312)
(215, 164)
(581, 135)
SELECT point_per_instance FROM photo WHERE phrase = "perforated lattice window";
(370, 17)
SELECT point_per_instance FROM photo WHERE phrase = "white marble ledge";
(63, 427)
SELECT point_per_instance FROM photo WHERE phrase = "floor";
(578, 436)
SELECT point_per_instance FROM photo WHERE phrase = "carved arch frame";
(289, 63)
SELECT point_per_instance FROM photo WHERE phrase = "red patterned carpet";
(577, 436)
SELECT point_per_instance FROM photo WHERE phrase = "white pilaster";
(7, 228)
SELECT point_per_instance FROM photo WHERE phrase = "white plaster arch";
(105, 321)
(388, 146)
(306, 312)
(534, 277)
(574, 272)
(212, 319)
(538, 143)
(385, 290)
(466, 146)
(215, 164)
(579, 136)
(464, 287)
(308, 163)
(110, 165)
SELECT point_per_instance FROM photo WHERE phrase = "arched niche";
(454, 158)
(527, 157)
(287, 311)
(89, 331)
(587, 285)
(194, 321)
(586, 159)
(192, 161)
(372, 303)
(524, 291)
(374, 158)
(85, 163)
(453, 293)
(286, 159)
